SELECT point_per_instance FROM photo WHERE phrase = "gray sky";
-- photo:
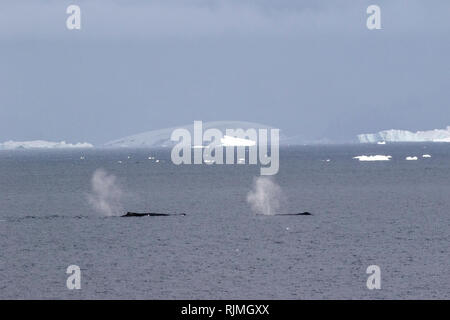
(308, 67)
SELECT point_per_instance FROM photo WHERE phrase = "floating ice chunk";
(381, 142)
(207, 161)
(373, 158)
(426, 156)
(411, 158)
(228, 141)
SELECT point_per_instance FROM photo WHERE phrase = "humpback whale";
(306, 213)
(151, 214)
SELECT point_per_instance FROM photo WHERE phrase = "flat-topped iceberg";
(41, 144)
(437, 135)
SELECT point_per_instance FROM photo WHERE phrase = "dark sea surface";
(393, 214)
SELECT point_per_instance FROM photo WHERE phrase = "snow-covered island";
(437, 135)
(42, 144)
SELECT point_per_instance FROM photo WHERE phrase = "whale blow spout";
(151, 214)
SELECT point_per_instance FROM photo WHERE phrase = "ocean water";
(393, 214)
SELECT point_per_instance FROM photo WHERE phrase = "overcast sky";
(307, 67)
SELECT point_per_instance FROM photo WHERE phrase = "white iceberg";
(437, 135)
(161, 138)
(228, 141)
(442, 140)
(426, 156)
(377, 157)
(411, 158)
(41, 144)
(381, 142)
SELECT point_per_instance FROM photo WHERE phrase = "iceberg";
(161, 138)
(377, 157)
(228, 141)
(411, 158)
(442, 140)
(437, 135)
(41, 144)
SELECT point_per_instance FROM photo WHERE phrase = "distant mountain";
(161, 138)
(41, 144)
(436, 135)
